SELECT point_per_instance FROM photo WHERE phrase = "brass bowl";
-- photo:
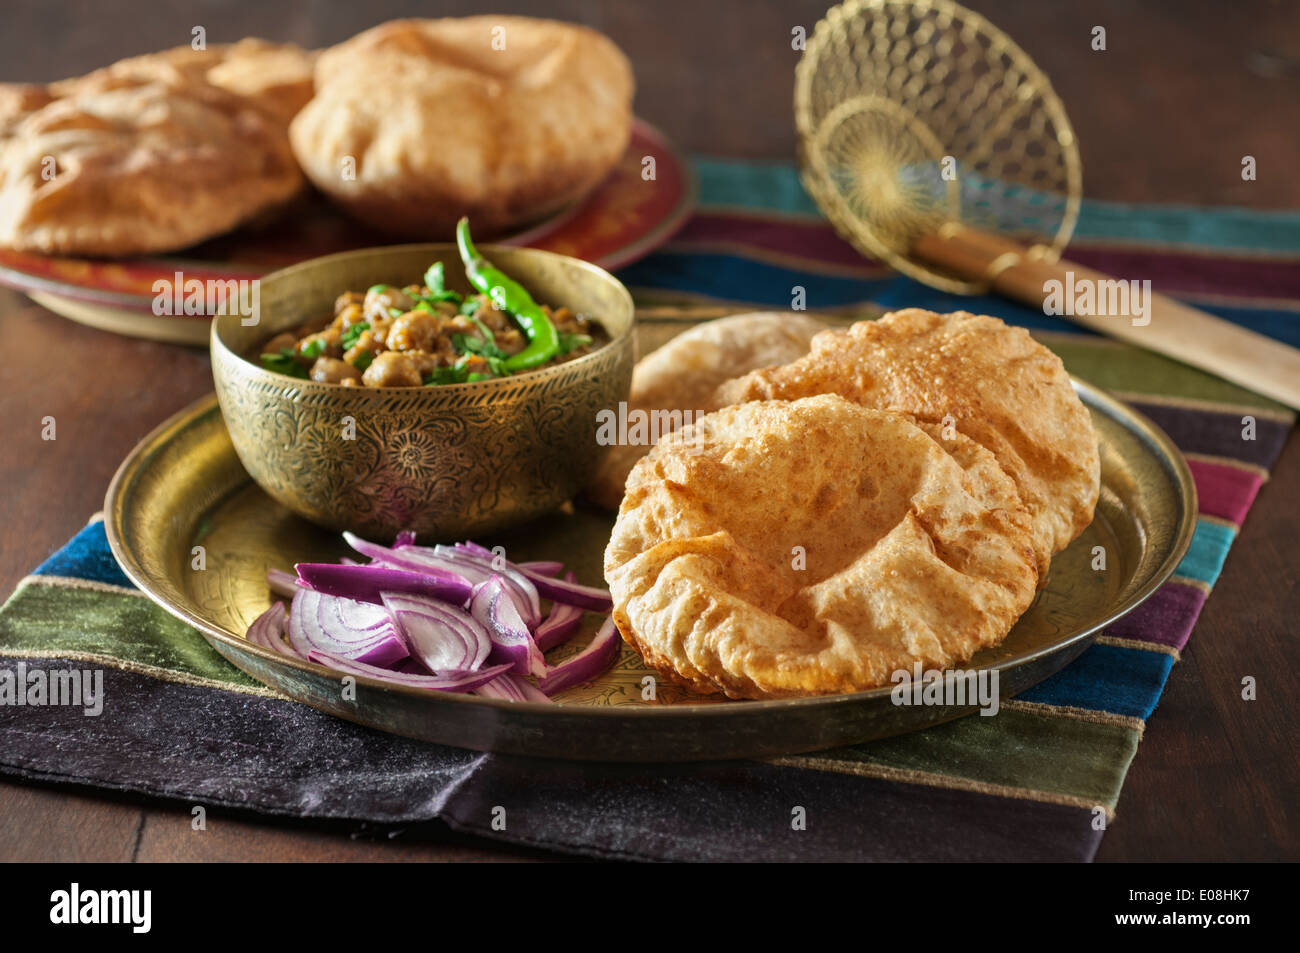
(449, 461)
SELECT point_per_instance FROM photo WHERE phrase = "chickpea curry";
(425, 335)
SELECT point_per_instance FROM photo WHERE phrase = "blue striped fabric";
(775, 187)
(1210, 545)
(733, 277)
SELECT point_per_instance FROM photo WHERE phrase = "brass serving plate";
(184, 486)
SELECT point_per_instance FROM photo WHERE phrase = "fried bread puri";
(277, 76)
(785, 548)
(683, 374)
(416, 123)
(992, 382)
(136, 165)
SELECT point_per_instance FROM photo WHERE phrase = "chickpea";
(348, 299)
(392, 369)
(349, 316)
(332, 339)
(424, 362)
(413, 331)
(460, 325)
(379, 329)
(378, 303)
(279, 343)
(511, 341)
(366, 342)
(494, 319)
(330, 370)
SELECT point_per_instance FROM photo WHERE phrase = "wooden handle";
(1165, 326)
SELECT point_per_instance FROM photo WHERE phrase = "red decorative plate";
(623, 220)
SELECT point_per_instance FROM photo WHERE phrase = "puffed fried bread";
(140, 166)
(683, 374)
(988, 380)
(785, 548)
(416, 123)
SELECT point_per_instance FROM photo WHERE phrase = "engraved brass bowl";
(450, 461)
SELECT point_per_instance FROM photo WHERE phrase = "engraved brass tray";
(184, 486)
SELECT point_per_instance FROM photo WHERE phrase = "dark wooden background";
(1184, 90)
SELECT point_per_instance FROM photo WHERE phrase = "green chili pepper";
(509, 296)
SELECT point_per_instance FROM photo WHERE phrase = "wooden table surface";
(1182, 92)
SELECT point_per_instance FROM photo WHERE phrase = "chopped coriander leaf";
(375, 289)
(435, 279)
(474, 378)
(362, 360)
(283, 363)
(471, 305)
(313, 348)
(488, 336)
(487, 347)
(464, 344)
(452, 296)
(353, 334)
(571, 342)
(444, 375)
(395, 312)
(498, 366)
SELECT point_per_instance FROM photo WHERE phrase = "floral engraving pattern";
(446, 462)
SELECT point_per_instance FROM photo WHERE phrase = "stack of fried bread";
(153, 153)
(408, 127)
(893, 496)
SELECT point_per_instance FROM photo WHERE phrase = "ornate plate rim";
(118, 494)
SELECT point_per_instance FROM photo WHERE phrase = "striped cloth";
(1037, 782)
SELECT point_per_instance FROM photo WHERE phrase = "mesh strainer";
(934, 144)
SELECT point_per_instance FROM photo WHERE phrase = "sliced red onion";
(443, 637)
(513, 688)
(411, 557)
(268, 629)
(473, 566)
(511, 641)
(365, 583)
(419, 559)
(587, 664)
(450, 682)
(405, 538)
(343, 627)
(472, 547)
(281, 583)
(560, 625)
(521, 590)
(544, 567)
(570, 593)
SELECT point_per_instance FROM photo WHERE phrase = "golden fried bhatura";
(973, 373)
(682, 375)
(782, 548)
(416, 123)
(138, 165)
